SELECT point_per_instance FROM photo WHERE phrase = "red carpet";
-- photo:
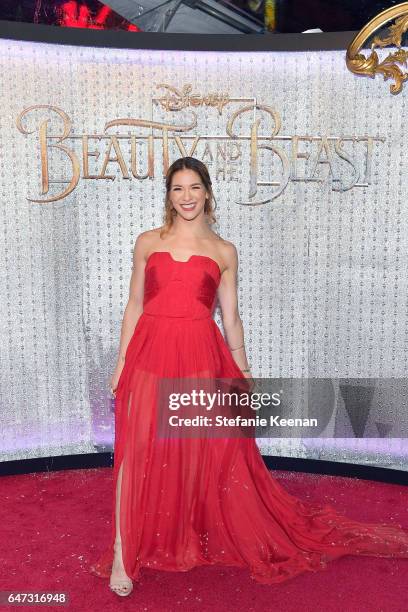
(55, 525)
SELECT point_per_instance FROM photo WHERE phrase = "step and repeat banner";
(309, 170)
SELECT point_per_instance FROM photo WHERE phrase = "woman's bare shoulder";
(148, 233)
(230, 253)
(146, 240)
(219, 240)
(224, 244)
(153, 233)
(226, 251)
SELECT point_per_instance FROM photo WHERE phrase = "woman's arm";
(227, 295)
(134, 307)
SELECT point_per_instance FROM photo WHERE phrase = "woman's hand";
(251, 379)
(113, 383)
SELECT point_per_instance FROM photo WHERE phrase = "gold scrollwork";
(369, 66)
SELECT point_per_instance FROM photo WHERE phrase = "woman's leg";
(118, 569)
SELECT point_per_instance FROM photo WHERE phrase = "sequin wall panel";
(308, 165)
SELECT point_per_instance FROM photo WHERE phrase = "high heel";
(121, 586)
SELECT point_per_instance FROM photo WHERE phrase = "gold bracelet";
(238, 347)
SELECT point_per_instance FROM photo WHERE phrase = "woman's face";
(187, 193)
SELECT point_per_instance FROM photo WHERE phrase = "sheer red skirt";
(212, 501)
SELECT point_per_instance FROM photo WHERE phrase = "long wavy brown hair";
(189, 163)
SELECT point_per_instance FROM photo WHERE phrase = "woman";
(183, 502)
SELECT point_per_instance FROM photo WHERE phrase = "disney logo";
(175, 99)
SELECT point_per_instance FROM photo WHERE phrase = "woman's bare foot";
(120, 583)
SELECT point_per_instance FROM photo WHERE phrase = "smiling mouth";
(188, 206)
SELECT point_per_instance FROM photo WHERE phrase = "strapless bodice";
(183, 289)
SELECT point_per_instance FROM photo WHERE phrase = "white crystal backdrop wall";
(323, 272)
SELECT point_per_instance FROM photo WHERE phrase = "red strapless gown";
(191, 502)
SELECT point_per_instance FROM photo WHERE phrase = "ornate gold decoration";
(371, 65)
